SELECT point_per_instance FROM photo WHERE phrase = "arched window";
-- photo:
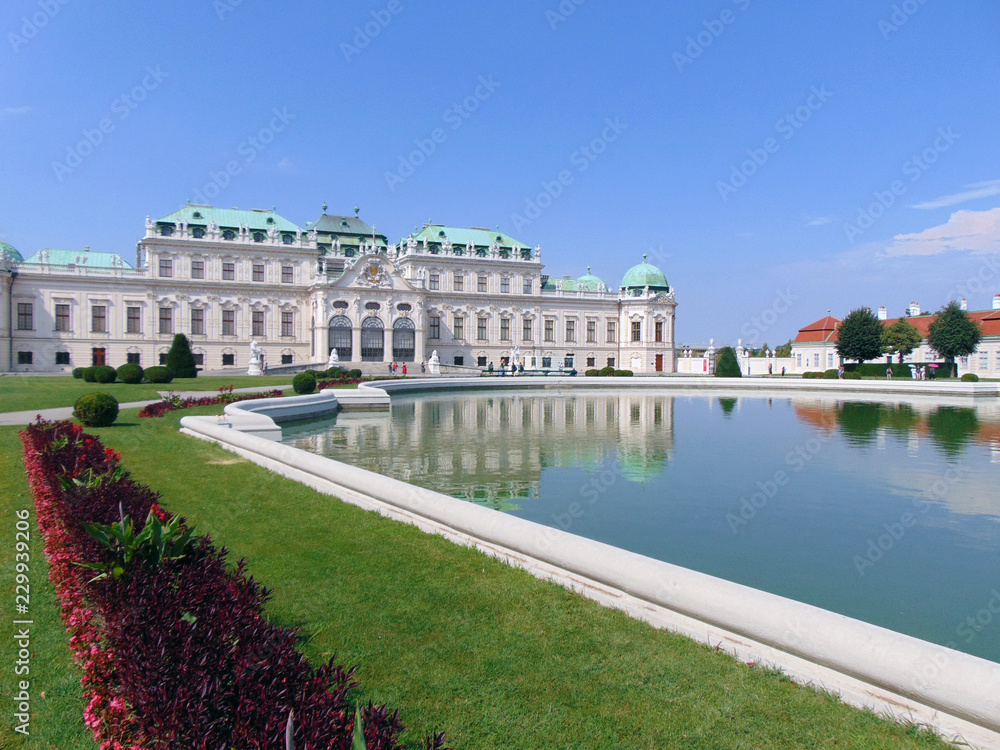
(258, 236)
(340, 337)
(372, 340)
(198, 233)
(287, 239)
(229, 234)
(403, 340)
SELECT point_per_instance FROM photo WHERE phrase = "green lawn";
(456, 640)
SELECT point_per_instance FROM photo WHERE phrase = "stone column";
(356, 344)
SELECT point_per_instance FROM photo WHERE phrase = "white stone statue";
(411, 245)
(515, 355)
(334, 360)
(434, 364)
(256, 359)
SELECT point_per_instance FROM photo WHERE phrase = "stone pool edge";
(865, 665)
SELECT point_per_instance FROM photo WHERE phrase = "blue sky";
(775, 160)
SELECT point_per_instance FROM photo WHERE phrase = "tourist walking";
(404, 369)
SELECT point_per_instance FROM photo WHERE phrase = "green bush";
(623, 373)
(831, 374)
(811, 375)
(304, 382)
(130, 373)
(88, 374)
(605, 371)
(877, 369)
(970, 377)
(158, 375)
(726, 365)
(592, 373)
(96, 409)
(852, 376)
(78, 372)
(105, 374)
(354, 374)
(180, 360)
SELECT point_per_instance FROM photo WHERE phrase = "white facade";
(224, 278)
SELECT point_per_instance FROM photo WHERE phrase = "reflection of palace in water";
(492, 449)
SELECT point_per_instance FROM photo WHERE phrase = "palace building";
(224, 277)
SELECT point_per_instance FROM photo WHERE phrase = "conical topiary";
(180, 360)
(726, 364)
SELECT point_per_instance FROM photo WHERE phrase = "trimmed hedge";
(592, 373)
(354, 374)
(832, 374)
(105, 374)
(877, 369)
(158, 375)
(88, 374)
(304, 382)
(130, 373)
(177, 653)
(970, 377)
(78, 372)
(623, 373)
(96, 409)
(606, 371)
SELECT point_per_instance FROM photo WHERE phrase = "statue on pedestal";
(256, 359)
(334, 360)
(434, 364)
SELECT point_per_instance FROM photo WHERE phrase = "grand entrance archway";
(372, 340)
(404, 339)
(340, 337)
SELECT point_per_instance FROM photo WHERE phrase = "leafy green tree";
(859, 335)
(954, 334)
(726, 365)
(180, 360)
(785, 350)
(901, 338)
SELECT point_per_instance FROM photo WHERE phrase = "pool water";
(883, 511)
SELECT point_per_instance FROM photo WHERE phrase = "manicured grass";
(24, 392)
(461, 642)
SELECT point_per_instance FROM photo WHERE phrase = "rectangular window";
(546, 362)
(99, 319)
(591, 331)
(481, 329)
(25, 316)
(528, 286)
(611, 361)
(571, 330)
(829, 361)
(197, 322)
(798, 360)
(569, 362)
(459, 282)
(286, 359)
(481, 362)
(658, 332)
(984, 360)
(258, 271)
(133, 358)
(636, 330)
(505, 285)
(435, 281)
(612, 332)
(24, 358)
(166, 267)
(228, 271)
(505, 329)
(163, 358)
(525, 330)
(228, 360)
(591, 361)
(287, 274)
(287, 323)
(459, 360)
(481, 285)
(550, 330)
(133, 320)
(257, 323)
(62, 358)
(228, 323)
(435, 327)
(199, 358)
(166, 320)
(197, 269)
(458, 327)
(62, 318)
(816, 360)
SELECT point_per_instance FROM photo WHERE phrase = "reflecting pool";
(884, 511)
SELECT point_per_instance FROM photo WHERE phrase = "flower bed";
(176, 653)
(225, 397)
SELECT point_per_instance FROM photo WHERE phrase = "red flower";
(77, 429)
(157, 511)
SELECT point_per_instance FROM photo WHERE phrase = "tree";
(784, 350)
(954, 334)
(726, 365)
(859, 335)
(901, 338)
(180, 360)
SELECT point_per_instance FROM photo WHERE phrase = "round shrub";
(304, 382)
(130, 373)
(970, 377)
(88, 374)
(623, 373)
(78, 372)
(830, 374)
(158, 375)
(105, 374)
(606, 371)
(354, 374)
(592, 373)
(96, 409)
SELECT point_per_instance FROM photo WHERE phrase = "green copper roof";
(87, 258)
(255, 218)
(459, 236)
(345, 226)
(588, 282)
(9, 251)
(643, 275)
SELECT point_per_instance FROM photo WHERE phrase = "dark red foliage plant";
(177, 654)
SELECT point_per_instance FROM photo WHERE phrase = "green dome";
(588, 282)
(9, 251)
(643, 275)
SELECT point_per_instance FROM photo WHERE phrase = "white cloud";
(15, 111)
(976, 190)
(818, 221)
(975, 231)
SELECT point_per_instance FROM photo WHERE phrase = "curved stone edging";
(957, 693)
